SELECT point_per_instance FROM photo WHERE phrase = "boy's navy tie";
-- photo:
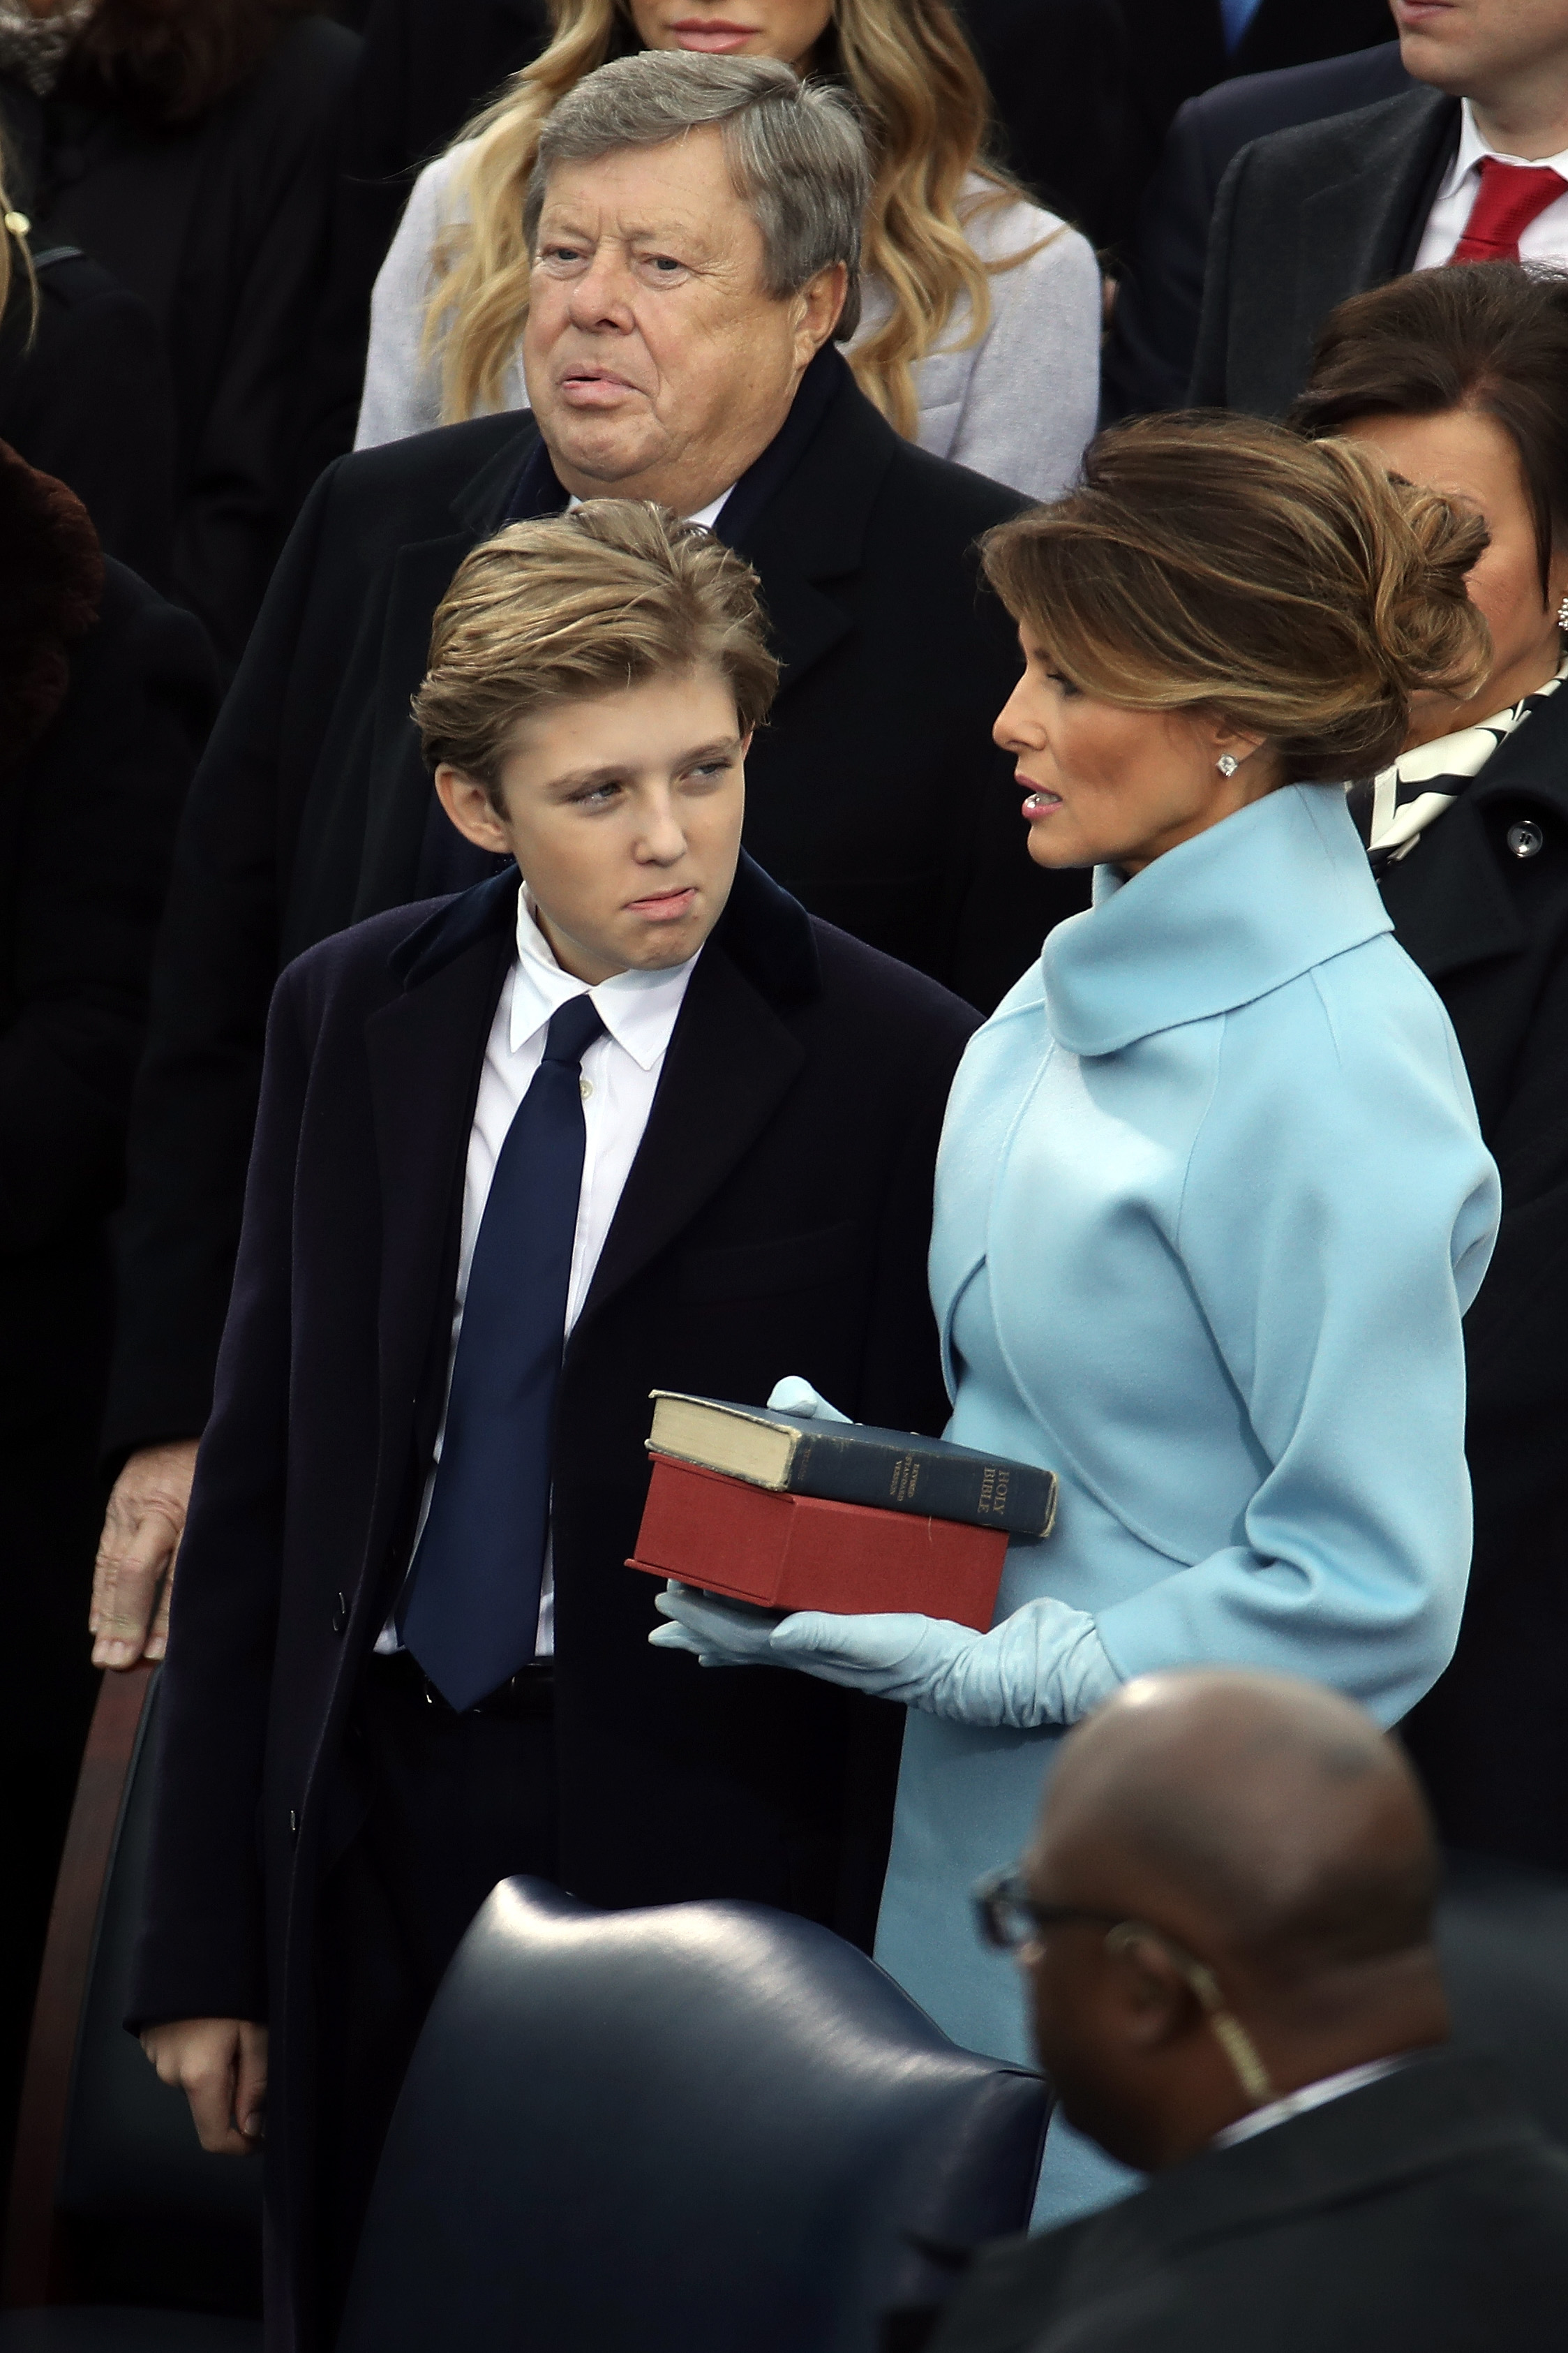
(472, 1610)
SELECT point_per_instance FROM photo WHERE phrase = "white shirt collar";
(1472, 147)
(637, 1009)
(1310, 2095)
(706, 516)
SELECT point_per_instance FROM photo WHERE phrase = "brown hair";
(1215, 561)
(615, 593)
(922, 99)
(1490, 337)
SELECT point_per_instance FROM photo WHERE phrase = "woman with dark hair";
(1458, 378)
(189, 147)
(1211, 1198)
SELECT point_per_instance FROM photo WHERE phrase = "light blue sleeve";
(1337, 1216)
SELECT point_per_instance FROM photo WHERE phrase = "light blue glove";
(1045, 1664)
(792, 1395)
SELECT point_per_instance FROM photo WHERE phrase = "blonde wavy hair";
(925, 109)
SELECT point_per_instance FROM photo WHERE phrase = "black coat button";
(1526, 838)
(340, 1615)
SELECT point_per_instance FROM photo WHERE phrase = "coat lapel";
(426, 1050)
(1362, 227)
(813, 530)
(731, 1062)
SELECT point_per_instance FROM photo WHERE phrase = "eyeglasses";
(1010, 1918)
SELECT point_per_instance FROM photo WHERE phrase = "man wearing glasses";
(1225, 1926)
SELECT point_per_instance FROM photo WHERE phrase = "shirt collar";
(1310, 2095)
(706, 516)
(637, 1009)
(1472, 147)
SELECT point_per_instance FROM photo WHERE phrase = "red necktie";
(1507, 200)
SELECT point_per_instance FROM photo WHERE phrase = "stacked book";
(793, 1513)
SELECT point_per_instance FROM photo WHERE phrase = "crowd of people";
(840, 706)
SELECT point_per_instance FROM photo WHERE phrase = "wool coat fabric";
(219, 221)
(776, 1215)
(875, 794)
(105, 694)
(1303, 220)
(1481, 904)
(1412, 2216)
(1211, 1202)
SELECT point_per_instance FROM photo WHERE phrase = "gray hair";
(796, 151)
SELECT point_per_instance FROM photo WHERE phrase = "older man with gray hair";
(695, 228)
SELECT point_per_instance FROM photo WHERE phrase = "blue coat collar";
(1224, 918)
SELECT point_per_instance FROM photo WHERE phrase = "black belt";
(529, 1693)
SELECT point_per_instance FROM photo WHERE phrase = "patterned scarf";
(1393, 809)
(35, 48)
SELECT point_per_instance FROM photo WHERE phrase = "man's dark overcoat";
(1304, 219)
(776, 1219)
(1148, 362)
(1490, 929)
(874, 794)
(1422, 2213)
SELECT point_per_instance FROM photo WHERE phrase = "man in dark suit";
(1178, 47)
(1257, 2019)
(1154, 324)
(1459, 168)
(663, 363)
(521, 1157)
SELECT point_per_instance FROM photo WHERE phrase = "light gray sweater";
(1018, 406)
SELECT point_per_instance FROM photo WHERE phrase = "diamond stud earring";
(1228, 764)
(1562, 614)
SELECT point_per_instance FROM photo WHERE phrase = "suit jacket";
(1176, 48)
(1423, 2213)
(775, 1220)
(220, 224)
(1304, 219)
(1155, 325)
(874, 793)
(1490, 930)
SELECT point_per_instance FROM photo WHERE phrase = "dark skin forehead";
(1254, 1815)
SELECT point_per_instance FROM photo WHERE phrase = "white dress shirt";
(1546, 239)
(1296, 2104)
(620, 1075)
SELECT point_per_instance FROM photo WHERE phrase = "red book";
(799, 1552)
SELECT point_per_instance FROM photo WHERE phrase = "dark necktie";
(1509, 197)
(473, 1603)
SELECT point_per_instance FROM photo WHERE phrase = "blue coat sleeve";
(1337, 1216)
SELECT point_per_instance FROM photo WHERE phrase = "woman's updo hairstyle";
(1212, 561)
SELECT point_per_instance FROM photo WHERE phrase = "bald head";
(1265, 1829)
(1269, 1816)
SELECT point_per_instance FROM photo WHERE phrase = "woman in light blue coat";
(1212, 1199)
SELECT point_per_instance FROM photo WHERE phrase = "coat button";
(340, 1615)
(1525, 839)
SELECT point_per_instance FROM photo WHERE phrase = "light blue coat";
(1211, 1202)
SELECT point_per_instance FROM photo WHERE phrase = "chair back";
(116, 2202)
(668, 2131)
(1502, 1938)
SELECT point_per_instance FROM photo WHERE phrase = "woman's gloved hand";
(1045, 1664)
(792, 1395)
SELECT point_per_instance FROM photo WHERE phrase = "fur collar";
(51, 578)
(170, 60)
